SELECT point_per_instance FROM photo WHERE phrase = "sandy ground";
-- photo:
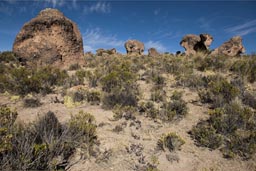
(142, 133)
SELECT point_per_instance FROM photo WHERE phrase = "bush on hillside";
(232, 127)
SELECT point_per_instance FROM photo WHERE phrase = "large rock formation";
(233, 47)
(152, 52)
(134, 47)
(194, 43)
(49, 39)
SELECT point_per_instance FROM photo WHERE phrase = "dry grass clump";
(170, 141)
(44, 144)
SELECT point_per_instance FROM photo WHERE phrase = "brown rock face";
(49, 39)
(152, 52)
(233, 47)
(134, 47)
(194, 43)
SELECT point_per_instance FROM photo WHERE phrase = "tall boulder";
(49, 39)
(152, 52)
(233, 47)
(194, 43)
(134, 47)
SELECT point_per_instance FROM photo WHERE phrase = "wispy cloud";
(5, 10)
(99, 7)
(56, 3)
(95, 39)
(156, 11)
(155, 44)
(243, 29)
(204, 23)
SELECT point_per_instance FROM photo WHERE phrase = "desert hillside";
(129, 112)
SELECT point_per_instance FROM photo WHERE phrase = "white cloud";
(99, 7)
(56, 3)
(243, 29)
(88, 48)
(155, 44)
(94, 39)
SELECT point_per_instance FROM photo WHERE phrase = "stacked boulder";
(106, 52)
(134, 47)
(49, 39)
(233, 47)
(152, 52)
(194, 43)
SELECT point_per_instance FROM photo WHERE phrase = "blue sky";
(159, 24)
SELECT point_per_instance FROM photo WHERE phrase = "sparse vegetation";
(175, 109)
(232, 126)
(23, 81)
(134, 88)
(218, 91)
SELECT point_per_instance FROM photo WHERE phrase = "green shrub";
(158, 95)
(246, 68)
(23, 81)
(80, 74)
(240, 67)
(36, 146)
(82, 127)
(232, 127)
(31, 102)
(74, 67)
(149, 109)
(218, 92)
(242, 144)
(93, 97)
(206, 136)
(249, 99)
(93, 77)
(119, 85)
(127, 112)
(7, 119)
(252, 72)
(79, 96)
(190, 80)
(7, 56)
(170, 141)
(127, 96)
(120, 76)
(175, 109)
(210, 63)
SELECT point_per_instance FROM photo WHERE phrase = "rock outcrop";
(106, 52)
(152, 52)
(233, 47)
(49, 39)
(134, 47)
(194, 43)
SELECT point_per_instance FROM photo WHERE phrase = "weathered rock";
(233, 47)
(105, 52)
(194, 43)
(152, 52)
(49, 39)
(134, 47)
